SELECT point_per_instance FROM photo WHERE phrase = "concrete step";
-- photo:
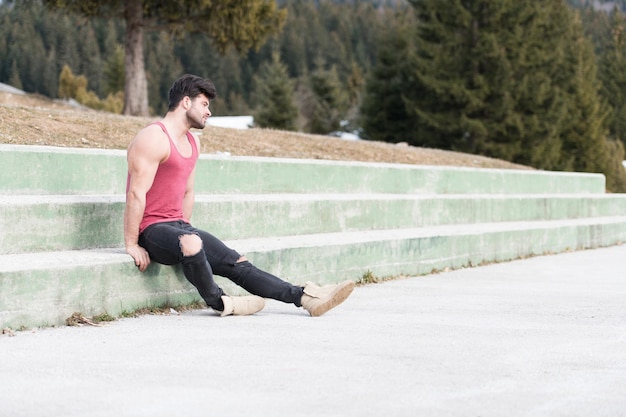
(53, 223)
(51, 170)
(42, 289)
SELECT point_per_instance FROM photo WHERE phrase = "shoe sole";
(337, 297)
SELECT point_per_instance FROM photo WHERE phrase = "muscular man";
(159, 204)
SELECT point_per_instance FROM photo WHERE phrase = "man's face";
(198, 112)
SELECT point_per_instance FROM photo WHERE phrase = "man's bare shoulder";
(149, 133)
(150, 142)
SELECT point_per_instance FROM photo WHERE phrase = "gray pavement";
(544, 336)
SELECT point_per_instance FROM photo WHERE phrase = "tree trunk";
(135, 84)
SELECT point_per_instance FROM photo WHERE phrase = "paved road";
(538, 337)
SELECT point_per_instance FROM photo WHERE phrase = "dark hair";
(191, 86)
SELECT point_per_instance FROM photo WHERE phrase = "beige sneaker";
(318, 300)
(241, 306)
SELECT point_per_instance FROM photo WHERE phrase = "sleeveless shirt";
(164, 200)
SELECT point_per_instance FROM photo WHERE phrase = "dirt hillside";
(35, 120)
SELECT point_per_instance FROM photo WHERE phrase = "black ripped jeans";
(161, 241)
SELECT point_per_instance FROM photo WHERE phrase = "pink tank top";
(164, 200)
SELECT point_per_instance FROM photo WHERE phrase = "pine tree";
(241, 24)
(354, 86)
(583, 147)
(50, 76)
(114, 71)
(612, 73)
(585, 144)
(482, 75)
(110, 36)
(67, 42)
(540, 91)
(14, 78)
(4, 47)
(237, 105)
(160, 72)
(327, 104)
(486, 78)
(229, 72)
(91, 62)
(384, 113)
(344, 33)
(462, 73)
(512, 79)
(274, 93)
(614, 169)
(68, 83)
(292, 43)
(30, 57)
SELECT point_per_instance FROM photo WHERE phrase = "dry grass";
(35, 120)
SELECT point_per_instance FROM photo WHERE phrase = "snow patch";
(10, 89)
(233, 122)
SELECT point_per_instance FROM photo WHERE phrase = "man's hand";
(140, 256)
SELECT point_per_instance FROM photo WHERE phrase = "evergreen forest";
(541, 83)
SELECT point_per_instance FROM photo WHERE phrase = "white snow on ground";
(349, 136)
(246, 122)
(9, 89)
(235, 122)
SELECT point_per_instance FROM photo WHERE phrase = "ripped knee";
(190, 245)
(241, 259)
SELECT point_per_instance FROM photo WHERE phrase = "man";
(159, 203)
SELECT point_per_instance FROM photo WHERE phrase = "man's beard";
(196, 124)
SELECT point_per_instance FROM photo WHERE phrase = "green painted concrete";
(46, 297)
(61, 216)
(52, 223)
(81, 222)
(266, 175)
(88, 171)
(43, 292)
(52, 170)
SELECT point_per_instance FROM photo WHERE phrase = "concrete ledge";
(302, 220)
(45, 288)
(53, 223)
(54, 170)
(71, 222)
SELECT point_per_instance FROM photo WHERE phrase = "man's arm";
(145, 153)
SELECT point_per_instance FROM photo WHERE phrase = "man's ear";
(186, 102)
